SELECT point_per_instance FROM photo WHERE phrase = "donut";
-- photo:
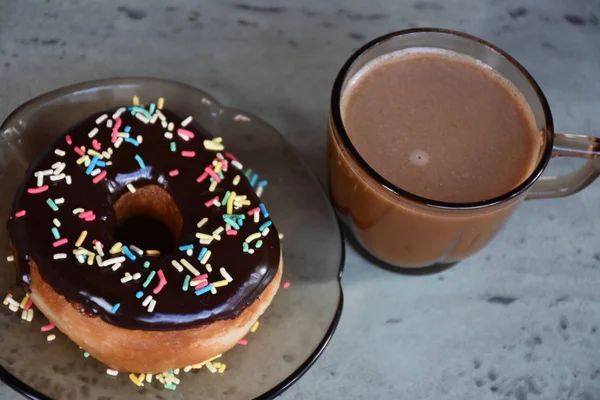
(144, 241)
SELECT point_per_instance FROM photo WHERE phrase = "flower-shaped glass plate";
(295, 328)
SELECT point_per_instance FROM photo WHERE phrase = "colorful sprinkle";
(225, 274)
(188, 153)
(69, 140)
(160, 103)
(220, 283)
(254, 327)
(60, 242)
(170, 386)
(161, 283)
(173, 147)
(99, 177)
(286, 284)
(140, 161)
(205, 257)
(135, 380)
(186, 283)
(265, 226)
(51, 204)
(140, 294)
(132, 141)
(203, 290)
(128, 253)
(81, 238)
(263, 209)
(243, 342)
(115, 308)
(186, 247)
(146, 264)
(185, 133)
(20, 213)
(37, 190)
(258, 244)
(174, 172)
(149, 279)
(48, 327)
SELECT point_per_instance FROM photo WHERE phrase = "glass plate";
(295, 328)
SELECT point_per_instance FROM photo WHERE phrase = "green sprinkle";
(186, 283)
(55, 233)
(146, 264)
(245, 247)
(149, 278)
(137, 109)
(173, 147)
(86, 354)
(170, 387)
(248, 173)
(226, 197)
(152, 108)
(258, 243)
(52, 204)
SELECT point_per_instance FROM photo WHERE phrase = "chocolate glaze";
(96, 289)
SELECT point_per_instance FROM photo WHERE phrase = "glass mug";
(406, 230)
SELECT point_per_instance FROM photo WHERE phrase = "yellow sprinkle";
(135, 380)
(198, 366)
(136, 101)
(116, 248)
(208, 267)
(177, 266)
(218, 232)
(210, 367)
(24, 301)
(254, 236)
(220, 283)
(230, 203)
(160, 103)
(30, 315)
(24, 315)
(90, 260)
(254, 327)
(236, 180)
(160, 378)
(218, 139)
(190, 267)
(82, 237)
(5, 301)
(218, 167)
(153, 252)
(188, 368)
(204, 236)
(112, 372)
(222, 368)
(202, 222)
(95, 153)
(206, 257)
(82, 159)
(216, 364)
(213, 146)
(213, 186)
(149, 378)
(50, 338)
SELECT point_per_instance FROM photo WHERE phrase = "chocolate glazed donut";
(132, 162)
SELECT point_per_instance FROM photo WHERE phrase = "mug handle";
(569, 145)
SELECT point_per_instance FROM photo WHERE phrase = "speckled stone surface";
(520, 320)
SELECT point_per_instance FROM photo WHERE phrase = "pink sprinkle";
(203, 276)
(28, 305)
(202, 284)
(85, 214)
(174, 172)
(212, 173)
(231, 157)
(60, 242)
(96, 144)
(161, 283)
(231, 232)
(202, 177)
(99, 177)
(47, 328)
(243, 342)
(253, 211)
(211, 201)
(79, 151)
(69, 140)
(286, 284)
(20, 214)
(117, 124)
(37, 190)
(90, 218)
(186, 133)
(188, 153)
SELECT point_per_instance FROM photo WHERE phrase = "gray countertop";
(520, 320)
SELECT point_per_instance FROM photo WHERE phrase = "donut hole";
(148, 219)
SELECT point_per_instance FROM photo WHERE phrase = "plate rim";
(28, 392)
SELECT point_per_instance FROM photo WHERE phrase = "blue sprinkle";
(127, 129)
(203, 290)
(263, 209)
(186, 247)
(55, 233)
(100, 164)
(115, 308)
(92, 165)
(140, 161)
(253, 180)
(132, 141)
(202, 253)
(171, 371)
(265, 226)
(152, 108)
(128, 253)
(139, 294)
(263, 183)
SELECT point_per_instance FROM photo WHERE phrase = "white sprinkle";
(116, 266)
(60, 200)
(99, 249)
(101, 119)
(213, 290)
(142, 118)
(80, 258)
(189, 252)
(251, 251)
(30, 315)
(190, 267)
(109, 371)
(118, 113)
(59, 152)
(131, 188)
(259, 191)
(237, 164)
(280, 236)
(186, 121)
(137, 250)
(137, 276)
(139, 139)
(10, 258)
(51, 337)
(177, 266)
(55, 178)
(171, 127)
(152, 305)
(160, 115)
(106, 155)
(56, 222)
(266, 231)
(206, 101)
(14, 307)
(148, 299)
(240, 117)
(99, 260)
(40, 180)
(59, 168)
(153, 119)
(24, 315)
(94, 172)
(59, 256)
(109, 123)
(68, 179)
(113, 260)
(149, 378)
(109, 151)
(93, 133)
(123, 135)
(126, 278)
(163, 123)
(225, 275)
(218, 231)
(169, 135)
(119, 141)
(185, 138)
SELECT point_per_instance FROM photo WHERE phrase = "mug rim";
(335, 110)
